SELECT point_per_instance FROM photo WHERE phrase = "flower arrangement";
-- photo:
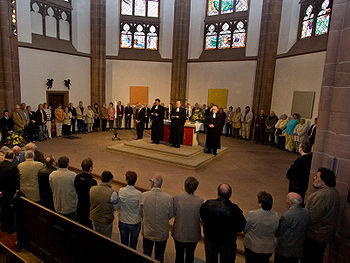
(15, 139)
(197, 116)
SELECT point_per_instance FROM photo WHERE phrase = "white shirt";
(214, 115)
(156, 108)
(177, 109)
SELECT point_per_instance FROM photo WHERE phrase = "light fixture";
(12, 17)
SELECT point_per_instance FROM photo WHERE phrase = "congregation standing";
(301, 233)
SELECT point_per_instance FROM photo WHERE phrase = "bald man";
(222, 220)
(19, 155)
(291, 231)
(156, 208)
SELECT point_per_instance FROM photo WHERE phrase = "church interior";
(277, 57)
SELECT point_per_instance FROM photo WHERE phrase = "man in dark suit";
(6, 126)
(128, 113)
(214, 121)
(157, 117)
(72, 110)
(178, 119)
(140, 120)
(312, 132)
(298, 173)
(147, 116)
(9, 184)
(46, 198)
(120, 113)
(222, 220)
(83, 183)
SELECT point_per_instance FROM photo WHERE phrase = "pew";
(9, 256)
(54, 238)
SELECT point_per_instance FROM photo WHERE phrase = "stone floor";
(248, 167)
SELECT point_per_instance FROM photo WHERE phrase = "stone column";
(98, 51)
(10, 93)
(266, 61)
(180, 50)
(332, 144)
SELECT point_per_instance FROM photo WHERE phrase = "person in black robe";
(9, 185)
(6, 126)
(214, 122)
(140, 120)
(178, 119)
(157, 117)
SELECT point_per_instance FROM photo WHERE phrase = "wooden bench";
(54, 238)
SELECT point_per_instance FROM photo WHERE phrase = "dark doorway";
(57, 97)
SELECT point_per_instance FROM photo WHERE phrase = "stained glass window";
(239, 36)
(139, 37)
(211, 38)
(316, 18)
(241, 5)
(224, 37)
(153, 8)
(152, 38)
(127, 7)
(308, 22)
(143, 33)
(213, 7)
(323, 17)
(227, 6)
(232, 32)
(126, 37)
(140, 7)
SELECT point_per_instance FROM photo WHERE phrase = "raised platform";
(191, 157)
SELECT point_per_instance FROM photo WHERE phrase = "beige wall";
(236, 76)
(299, 73)
(121, 74)
(36, 66)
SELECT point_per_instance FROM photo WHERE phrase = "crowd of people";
(302, 232)
(283, 133)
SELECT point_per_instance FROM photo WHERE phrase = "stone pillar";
(10, 93)
(180, 50)
(266, 61)
(332, 144)
(98, 51)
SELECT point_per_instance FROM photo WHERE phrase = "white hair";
(29, 155)
(5, 149)
(295, 200)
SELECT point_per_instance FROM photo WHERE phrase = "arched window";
(139, 22)
(315, 18)
(52, 19)
(226, 24)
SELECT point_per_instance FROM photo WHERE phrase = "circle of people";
(301, 233)
(283, 133)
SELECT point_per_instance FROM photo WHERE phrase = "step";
(184, 150)
(194, 162)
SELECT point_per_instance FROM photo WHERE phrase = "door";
(57, 97)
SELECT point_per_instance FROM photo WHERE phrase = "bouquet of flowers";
(15, 139)
(197, 116)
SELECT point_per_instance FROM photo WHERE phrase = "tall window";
(315, 18)
(226, 24)
(52, 19)
(139, 24)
